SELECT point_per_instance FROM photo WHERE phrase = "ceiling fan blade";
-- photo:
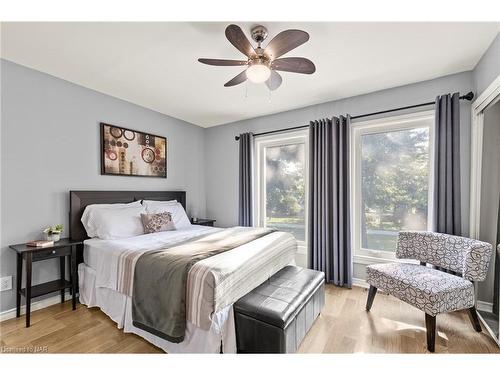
(285, 42)
(238, 39)
(221, 62)
(294, 65)
(274, 80)
(240, 78)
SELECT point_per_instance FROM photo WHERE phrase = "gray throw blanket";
(160, 279)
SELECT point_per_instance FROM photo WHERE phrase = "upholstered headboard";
(81, 199)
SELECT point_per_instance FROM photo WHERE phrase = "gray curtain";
(245, 217)
(447, 210)
(329, 217)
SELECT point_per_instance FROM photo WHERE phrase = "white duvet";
(103, 255)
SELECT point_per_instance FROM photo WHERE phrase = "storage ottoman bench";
(275, 316)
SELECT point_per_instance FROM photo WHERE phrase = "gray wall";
(50, 145)
(221, 160)
(488, 68)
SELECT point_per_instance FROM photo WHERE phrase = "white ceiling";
(155, 64)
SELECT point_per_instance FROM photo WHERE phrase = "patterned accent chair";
(432, 290)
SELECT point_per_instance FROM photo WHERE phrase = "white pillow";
(175, 208)
(118, 223)
(146, 202)
(90, 211)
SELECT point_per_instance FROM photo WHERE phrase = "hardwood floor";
(343, 327)
(391, 326)
(58, 329)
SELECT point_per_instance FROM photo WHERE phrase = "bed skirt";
(118, 306)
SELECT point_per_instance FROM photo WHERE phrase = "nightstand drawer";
(51, 253)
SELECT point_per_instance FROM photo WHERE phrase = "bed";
(213, 284)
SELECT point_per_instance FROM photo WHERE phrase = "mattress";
(98, 252)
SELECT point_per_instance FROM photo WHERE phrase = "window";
(281, 184)
(392, 181)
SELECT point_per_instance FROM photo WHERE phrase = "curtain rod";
(469, 96)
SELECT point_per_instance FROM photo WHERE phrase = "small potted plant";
(53, 233)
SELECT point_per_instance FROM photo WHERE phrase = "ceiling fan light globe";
(258, 73)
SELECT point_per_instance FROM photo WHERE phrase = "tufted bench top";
(281, 297)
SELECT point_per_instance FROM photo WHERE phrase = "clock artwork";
(126, 152)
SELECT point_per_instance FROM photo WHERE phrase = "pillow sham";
(179, 216)
(89, 213)
(115, 224)
(146, 202)
(160, 222)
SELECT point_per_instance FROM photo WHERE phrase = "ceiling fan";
(262, 64)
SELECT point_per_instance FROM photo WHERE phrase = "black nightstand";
(60, 249)
(205, 222)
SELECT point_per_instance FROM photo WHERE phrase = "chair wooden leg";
(474, 319)
(371, 297)
(430, 325)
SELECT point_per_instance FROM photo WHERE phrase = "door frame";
(477, 125)
(488, 97)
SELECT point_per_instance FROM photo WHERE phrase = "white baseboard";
(9, 314)
(360, 282)
(484, 306)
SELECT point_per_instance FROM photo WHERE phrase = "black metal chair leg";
(371, 297)
(474, 319)
(430, 325)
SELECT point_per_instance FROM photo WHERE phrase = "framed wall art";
(126, 152)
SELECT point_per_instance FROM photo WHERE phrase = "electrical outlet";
(5, 283)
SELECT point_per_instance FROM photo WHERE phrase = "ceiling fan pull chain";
(270, 93)
(246, 89)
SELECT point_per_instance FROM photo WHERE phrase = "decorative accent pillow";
(179, 217)
(159, 222)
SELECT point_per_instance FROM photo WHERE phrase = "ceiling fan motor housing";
(259, 59)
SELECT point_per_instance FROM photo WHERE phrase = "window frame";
(260, 145)
(381, 125)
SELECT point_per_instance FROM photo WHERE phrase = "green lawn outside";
(376, 241)
(381, 242)
(287, 220)
(294, 226)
